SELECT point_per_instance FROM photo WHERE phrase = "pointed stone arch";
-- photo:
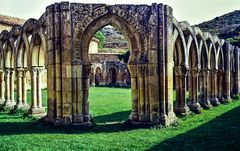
(194, 66)
(134, 46)
(181, 68)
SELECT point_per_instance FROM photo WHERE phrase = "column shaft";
(2, 87)
(19, 87)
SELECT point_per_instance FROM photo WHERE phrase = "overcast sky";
(193, 11)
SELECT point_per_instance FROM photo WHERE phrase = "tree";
(101, 37)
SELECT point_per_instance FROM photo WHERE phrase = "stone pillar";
(193, 103)
(2, 87)
(19, 75)
(39, 87)
(236, 82)
(238, 69)
(85, 92)
(181, 107)
(36, 104)
(9, 84)
(24, 89)
(141, 91)
(214, 85)
(33, 89)
(12, 78)
(227, 74)
(165, 62)
(220, 86)
(205, 103)
(134, 93)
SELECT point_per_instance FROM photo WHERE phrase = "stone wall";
(5, 27)
(101, 57)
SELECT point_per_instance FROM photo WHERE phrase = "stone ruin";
(163, 52)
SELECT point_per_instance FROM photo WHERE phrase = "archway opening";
(180, 72)
(110, 93)
(38, 75)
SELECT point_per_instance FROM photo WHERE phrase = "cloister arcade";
(205, 68)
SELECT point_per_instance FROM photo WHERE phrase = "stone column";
(141, 91)
(12, 77)
(9, 103)
(134, 93)
(181, 107)
(236, 65)
(85, 89)
(214, 98)
(33, 106)
(205, 103)
(19, 76)
(227, 75)
(193, 103)
(2, 87)
(39, 88)
(36, 104)
(7, 84)
(220, 86)
(238, 69)
(24, 90)
(200, 86)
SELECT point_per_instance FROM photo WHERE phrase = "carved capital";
(133, 70)
(184, 70)
(195, 71)
(20, 72)
(7, 71)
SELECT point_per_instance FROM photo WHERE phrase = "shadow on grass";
(222, 133)
(114, 117)
(36, 127)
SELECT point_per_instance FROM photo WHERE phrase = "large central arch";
(134, 47)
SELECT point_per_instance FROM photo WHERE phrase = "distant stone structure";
(93, 46)
(7, 22)
(163, 51)
(109, 73)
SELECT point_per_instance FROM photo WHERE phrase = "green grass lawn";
(214, 129)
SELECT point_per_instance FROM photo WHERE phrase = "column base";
(205, 104)
(222, 100)
(37, 112)
(2, 101)
(133, 117)
(65, 121)
(227, 100)
(214, 101)
(181, 110)
(195, 107)
(163, 120)
(87, 118)
(22, 107)
(8, 104)
(78, 119)
(169, 119)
